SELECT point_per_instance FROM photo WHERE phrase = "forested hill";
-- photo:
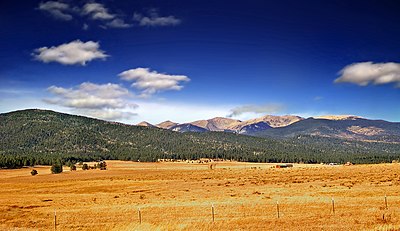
(31, 137)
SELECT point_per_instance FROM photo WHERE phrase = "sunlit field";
(181, 196)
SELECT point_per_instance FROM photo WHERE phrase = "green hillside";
(32, 137)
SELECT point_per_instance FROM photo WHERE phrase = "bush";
(102, 165)
(85, 167)
(34, 172)
(72, 168)
(56, 168)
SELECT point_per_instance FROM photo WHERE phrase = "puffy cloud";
(97, 11)
(153, 19)
(256, 109)
(58, 10)
(150, 82)
(105, 101)
(365, 73)
(90, 95)
(75, 52)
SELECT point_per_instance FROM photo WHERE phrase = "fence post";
(212, 210)
(55, 220)
(386, 203)
(277, 208)
(333, 205)
(140, 216)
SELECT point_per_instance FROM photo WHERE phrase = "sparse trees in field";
(56, 168)
(34, 172)
(85, 167)
(101, 165)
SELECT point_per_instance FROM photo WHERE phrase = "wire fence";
(285, 210)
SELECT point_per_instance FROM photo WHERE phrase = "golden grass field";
(179, 196)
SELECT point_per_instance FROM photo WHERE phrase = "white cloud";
(58, 10)
(92, 10)
(256, 110)
(106, 19)
(118, 23)
(150, 82)
(75, 52)
(97, 11)
(106, 101)
(153, 19)
(365, 73)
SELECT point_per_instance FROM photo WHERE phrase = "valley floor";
(180, 196)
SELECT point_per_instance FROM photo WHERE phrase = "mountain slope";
(248, 126)
(166, 124)
(338, 117)
(49, 135)
(253, 128)
(145, 124)
(187, 128)
(354, 128)
(215, 124)
(289, 126)
(272, 121)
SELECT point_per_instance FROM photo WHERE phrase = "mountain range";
(228, 124)
(31, 137)
(332, 126)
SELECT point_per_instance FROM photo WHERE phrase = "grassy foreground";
(179, 196)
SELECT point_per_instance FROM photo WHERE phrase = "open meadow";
(181, 196)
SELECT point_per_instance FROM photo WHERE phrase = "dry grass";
(178, 196)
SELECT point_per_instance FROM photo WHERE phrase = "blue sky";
(130, 61)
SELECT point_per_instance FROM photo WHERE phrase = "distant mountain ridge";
(338, 117)
(272, 121)
(287, 126)
(187, 128)
(228, 124)
(352, 128)
(215, 124)
(145, 124)
(166, 124)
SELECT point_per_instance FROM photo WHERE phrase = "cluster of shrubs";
(101, 165)
(58, 168)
